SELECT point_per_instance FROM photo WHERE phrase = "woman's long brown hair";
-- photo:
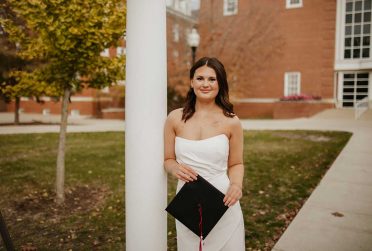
(222, 98)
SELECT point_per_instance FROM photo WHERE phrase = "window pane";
(356, 53)
(366, 29)
(367, 16)
(358, 17)
(367, 4)
(358, 6)
(349, 75)
(347, 30)
(349, 18)
(347, 54)
(348, 90)
(357, 29)
(349, 84)
(348, 41)
(356, 41)
(365, 90)
(347, 104)
(362, 75)
(349, 6)
(349, 97)
(366, 40)
(365, 53)
(362, 84)
(362, 96)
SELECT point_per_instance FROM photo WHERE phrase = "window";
(105, 53)
(355, 87)
(290, 4)
(292, 83)
(120, 51)
(230, 7)
(176, 33)
(357, 29)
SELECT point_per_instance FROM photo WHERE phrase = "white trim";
(290, 5)
(339, 36)
(286, 82)
(73, 99)
(340, 86)
(257, 100)
(340, 89)
(353, 65)
(273, 100)
(342, 64)
(226, 11)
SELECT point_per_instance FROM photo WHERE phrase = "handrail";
(360, 107)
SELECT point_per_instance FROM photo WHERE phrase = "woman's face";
(205, 83)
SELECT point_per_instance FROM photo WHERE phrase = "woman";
(205, 137)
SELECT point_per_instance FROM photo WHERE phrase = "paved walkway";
(346, 189)
(75, 124)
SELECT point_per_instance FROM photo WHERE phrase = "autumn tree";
(68, 36)
(12, 87)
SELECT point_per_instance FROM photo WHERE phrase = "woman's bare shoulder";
(234, 122)
(175, 115)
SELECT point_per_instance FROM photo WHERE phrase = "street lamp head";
(193, 38)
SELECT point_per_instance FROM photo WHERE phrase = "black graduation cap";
(198, 205)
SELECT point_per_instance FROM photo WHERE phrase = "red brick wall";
(178, 53)
(85, 108)
(285, 110)
(265, 40)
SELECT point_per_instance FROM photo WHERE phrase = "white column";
(145, 104)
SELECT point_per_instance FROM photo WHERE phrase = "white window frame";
(290, 5)
(105, 53)
(176, 33)
(287, 77)
(226, 11)
(120, 51)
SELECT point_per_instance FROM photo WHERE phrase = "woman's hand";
(184, 173)
(233, 195)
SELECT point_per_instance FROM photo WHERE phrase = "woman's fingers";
(185, 173)
(188, 170)
(232, 196)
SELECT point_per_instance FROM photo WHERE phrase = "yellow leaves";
(74, 31)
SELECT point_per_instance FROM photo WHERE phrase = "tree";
(68, 35)
(11, 65)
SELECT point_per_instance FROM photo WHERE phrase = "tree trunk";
(16, 110)
(60, 175)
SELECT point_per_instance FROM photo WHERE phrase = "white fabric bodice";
(208, 157)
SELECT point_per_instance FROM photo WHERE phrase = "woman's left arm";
(235, 164)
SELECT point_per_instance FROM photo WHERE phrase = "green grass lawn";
(281, 170)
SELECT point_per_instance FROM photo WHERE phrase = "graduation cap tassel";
(200, 226)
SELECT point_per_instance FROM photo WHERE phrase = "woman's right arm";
(180, 171)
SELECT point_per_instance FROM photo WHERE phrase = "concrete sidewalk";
(75, 124)
(346, 189)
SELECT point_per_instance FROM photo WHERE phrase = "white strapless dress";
(208, 157)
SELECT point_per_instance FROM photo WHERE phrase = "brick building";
(276, 48)
(109, 102)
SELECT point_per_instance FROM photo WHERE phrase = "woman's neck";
(205, 106)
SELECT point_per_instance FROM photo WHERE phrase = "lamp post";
(193, 40)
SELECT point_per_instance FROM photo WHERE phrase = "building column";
(145, 114)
